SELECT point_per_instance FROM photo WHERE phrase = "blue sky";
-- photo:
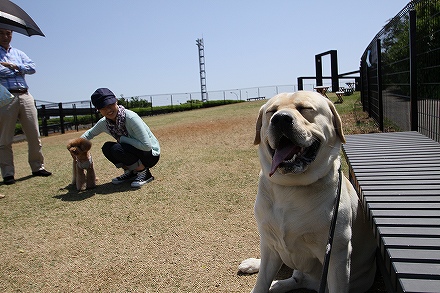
(144, 47)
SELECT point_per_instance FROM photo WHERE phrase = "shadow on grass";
(107, 188)
(21, 179)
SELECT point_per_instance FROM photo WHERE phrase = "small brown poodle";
(79, 149)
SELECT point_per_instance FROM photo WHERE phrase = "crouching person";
(135, 150)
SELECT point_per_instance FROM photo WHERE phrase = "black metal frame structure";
(335, 76)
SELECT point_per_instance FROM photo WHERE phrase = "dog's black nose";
(281, 119)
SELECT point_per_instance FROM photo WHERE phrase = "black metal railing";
(400, 71)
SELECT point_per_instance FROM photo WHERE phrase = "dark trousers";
(122, 154)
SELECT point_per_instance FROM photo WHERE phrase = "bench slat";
(407, 222)
(416, 255)
(402, 198)
(399, 192)
(407, 242)
(377, 181)
(404, 213)
(420, 285)
(417, 270)
(406, 187)
(405, 205)
(409, 231)
(397, 173)
(397, 177)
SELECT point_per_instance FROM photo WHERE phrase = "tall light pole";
(203, 90)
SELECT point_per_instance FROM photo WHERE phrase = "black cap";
(103, 97)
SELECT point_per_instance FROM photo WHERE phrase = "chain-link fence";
(243, 94)
(400, 71)
(85, 111)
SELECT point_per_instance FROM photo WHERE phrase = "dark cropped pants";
(122, 154)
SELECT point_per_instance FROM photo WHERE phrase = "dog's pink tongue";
(281, 154)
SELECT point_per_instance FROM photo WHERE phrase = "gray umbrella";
(12, 17)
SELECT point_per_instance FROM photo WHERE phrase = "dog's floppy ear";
(257, 138)
(337, 122)
(69, 144)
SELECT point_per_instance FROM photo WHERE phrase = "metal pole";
(318, 69)
(334, 70)
(413, 71)
(300, 83)
(379, 84)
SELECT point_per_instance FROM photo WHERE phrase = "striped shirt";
(139, 134)
(14, 79)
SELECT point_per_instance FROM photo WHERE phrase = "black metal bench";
(397, 177)
(347, 91)
(256, 98)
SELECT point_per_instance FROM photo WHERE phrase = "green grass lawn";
(187, 231)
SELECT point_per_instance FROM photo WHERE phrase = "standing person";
(136, 149)
(14, 65)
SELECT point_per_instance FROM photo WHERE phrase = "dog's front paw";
(283, 286)
(249, 266)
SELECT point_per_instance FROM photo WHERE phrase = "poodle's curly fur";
(83, 172)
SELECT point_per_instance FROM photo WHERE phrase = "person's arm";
(139, 136)
(20, 64)
(99, 127)
(24, 64)
(5, 69)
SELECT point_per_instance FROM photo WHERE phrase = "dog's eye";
(303, 110)
(269, 112)
(308, 113)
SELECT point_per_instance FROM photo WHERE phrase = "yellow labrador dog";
(299, 136)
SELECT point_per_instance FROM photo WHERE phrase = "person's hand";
(11, 66)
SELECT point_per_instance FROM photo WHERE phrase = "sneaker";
(128, 174)
(42, 173)
(142, 178)
(8, 180)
